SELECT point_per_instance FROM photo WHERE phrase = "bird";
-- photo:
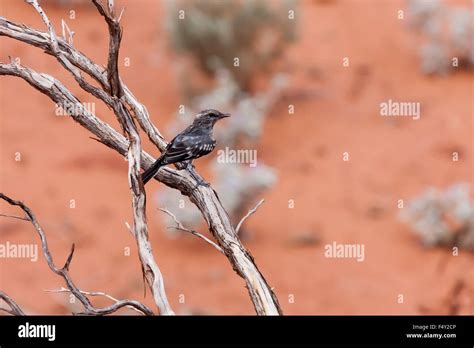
(193, 142)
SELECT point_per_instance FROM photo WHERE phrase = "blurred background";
(305, 82)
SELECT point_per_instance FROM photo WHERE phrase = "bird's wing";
(184, 147)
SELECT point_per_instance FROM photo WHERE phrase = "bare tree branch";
(179, 226)
(100, 293)
(251, 211)
(41, 40)
(70, 33)
(52, 34)
(205, 198)
(64, 271)
(14, 307)
(150, 267)
(14, 217)
(54, 47)
(105, 134)
(151, 270)
(115, 33)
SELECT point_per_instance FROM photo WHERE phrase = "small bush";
(214, 33)
(448, 32)
(443, 218)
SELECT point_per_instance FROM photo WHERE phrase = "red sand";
(337, 110)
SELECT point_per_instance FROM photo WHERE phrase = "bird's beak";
(224, 115)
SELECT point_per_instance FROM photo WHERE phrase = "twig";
(64, 271)
(54, 47)
(52, 34)
(179, 226)
(99, 293)
(121, 14)
(70, 33)
(14, 307)
(250, 212)
(15, 217)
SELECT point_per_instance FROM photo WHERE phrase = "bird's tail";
(150, 172)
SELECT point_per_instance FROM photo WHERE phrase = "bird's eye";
(212, 114)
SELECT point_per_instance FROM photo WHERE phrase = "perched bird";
(193, 142)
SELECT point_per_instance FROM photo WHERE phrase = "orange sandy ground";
(337, 110)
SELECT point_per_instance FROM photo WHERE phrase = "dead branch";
(82, 62)
(64, 271)
(179, 226)
(98, 293)
(151, 270)
(14, 217)
(250, 212)
(14, 307)
(115, 34)
(70, 33)
(205, 198)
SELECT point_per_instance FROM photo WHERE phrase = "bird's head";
(209, 117)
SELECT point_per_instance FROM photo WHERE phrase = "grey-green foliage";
(443, 218)
(214, 32)
(448, 32)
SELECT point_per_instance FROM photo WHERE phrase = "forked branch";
(14, 307)
(63, 272)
